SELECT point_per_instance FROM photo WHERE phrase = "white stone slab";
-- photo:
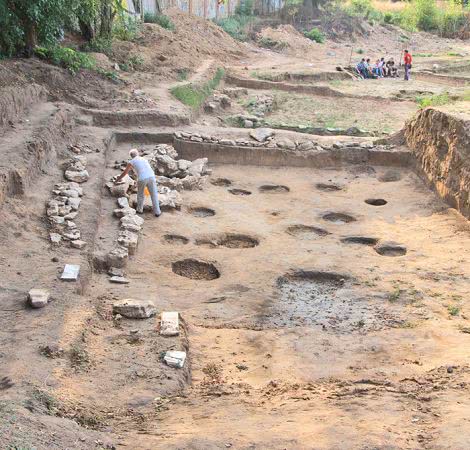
(169, 324)
(71, 272)
(38, 298)
(175, 359)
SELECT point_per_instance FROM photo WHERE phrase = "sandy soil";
(315, 334)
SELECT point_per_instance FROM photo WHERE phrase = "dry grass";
(385, 6)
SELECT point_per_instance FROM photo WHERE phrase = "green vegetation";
(364, 9)
(194, 96)
(182, 75)
(453, 310)
(126, 28)
(267, 42)
(159, 19)
(66, 57)
(238, 26)
(136, 61)
(433, 100)
(315, 35)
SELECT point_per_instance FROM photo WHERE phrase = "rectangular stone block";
(175, 359)
(71, 272)
(169, 324)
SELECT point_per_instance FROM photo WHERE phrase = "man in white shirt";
(145, 179)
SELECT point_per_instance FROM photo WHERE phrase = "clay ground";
(333, 323)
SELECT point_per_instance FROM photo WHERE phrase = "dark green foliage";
(159, 19)
(315, 35)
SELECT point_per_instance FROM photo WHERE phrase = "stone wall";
(441, 143)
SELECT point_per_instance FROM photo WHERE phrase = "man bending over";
(145, 179)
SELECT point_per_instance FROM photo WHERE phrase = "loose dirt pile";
(166, 53)
(287, 39)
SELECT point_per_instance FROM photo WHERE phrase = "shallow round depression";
(376, 201)
(328, 187)
(273, 189)
(242, 192)
(221, 182)
(390, 249)
(175, 239)
(228, 240)
(339, 218)
(306, 231)
(201, 211)
(195, 269)
(360, 240)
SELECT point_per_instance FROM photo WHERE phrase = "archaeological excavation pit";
(223, 182)
(391, 249)
(306, 231)
(201, 212)
(273, 189)
(175, 239)
(328, 187)
(360, 240)
(339, 218)
(376, 201)
(239, 192)
(195, 269)
(228, 240)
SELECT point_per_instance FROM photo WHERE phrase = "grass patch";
(159, 19)
(182, 75)
(194, 96)
(433, 100)
(237, 26)
(453, 310)
(66, 57)
(267, 42)
(315, 35)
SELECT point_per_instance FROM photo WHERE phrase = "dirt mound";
(165, 52)
(287, 39)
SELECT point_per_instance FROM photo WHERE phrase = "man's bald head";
(133, 153)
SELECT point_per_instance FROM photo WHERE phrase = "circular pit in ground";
(376, 201)
(228, 240)
(328, 187)
(338, 218)
(224, 182)
(175, 239)
(361, 240)
(273, 189)
(201, 211)
(195, 269)
(390, 249)
(306, 231)
(241, 192)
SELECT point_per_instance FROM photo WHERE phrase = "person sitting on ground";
(145, 179)
(391, 69)
(382, 67)
(376, 69)
(361, 68)
(369, 69)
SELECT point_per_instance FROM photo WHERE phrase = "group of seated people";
(380, 69)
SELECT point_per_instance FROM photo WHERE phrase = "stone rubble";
(71, 272)
(63, 208)
(134, 309)
(169, 324)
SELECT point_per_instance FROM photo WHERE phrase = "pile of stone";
(216, 102)
(235, 92)
(63, 208)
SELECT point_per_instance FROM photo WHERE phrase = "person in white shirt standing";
(145, 179)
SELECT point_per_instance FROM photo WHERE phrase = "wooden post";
(190, 8)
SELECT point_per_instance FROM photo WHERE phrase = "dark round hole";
(201, 211)
(362, 240)
(339, 218)
(221, 182)
(239, 192)
(376, 201)
(391, 249)
(273, 188)
(328, 187)
(195, 270)
(175, 239)
(306, 231)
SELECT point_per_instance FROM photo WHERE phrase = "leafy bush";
(433, 100)
(236, 26)
(66, 57)
(315, 35)
(136, 61)
(99, 45)
(159, 19)
(193, 95)
(126, 27)
(364, 9)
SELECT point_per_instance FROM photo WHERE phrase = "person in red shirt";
(408, 61)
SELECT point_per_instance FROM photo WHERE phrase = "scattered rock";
(119, 280)
(117, 257)
(123, 202)
(134, 309)
(78, 244)
(38, 298)
(55, 238)
(77, 176)
(175, 359)
(71, 272)
(261, 134)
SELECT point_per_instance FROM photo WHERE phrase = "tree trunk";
(87, 30)
(107, 18)
(31, 39)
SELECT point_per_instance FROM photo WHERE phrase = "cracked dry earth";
(296, 339)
